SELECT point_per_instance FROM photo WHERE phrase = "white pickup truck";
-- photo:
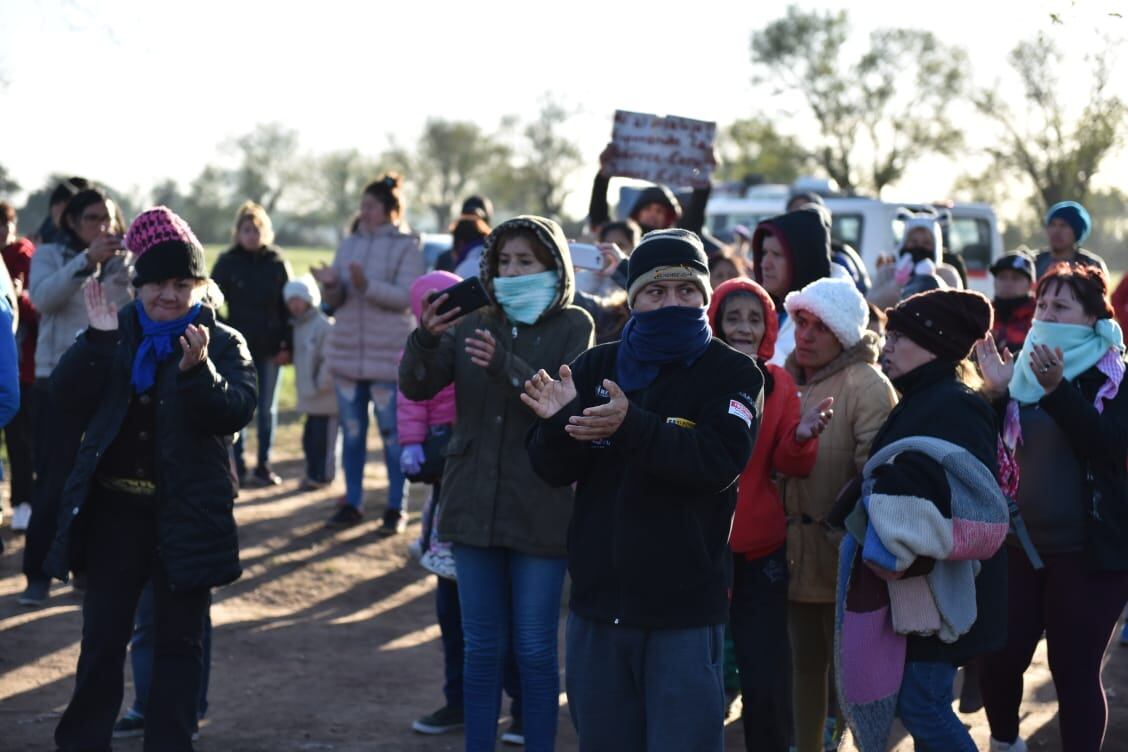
(871, 226)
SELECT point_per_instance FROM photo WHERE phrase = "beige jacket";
(316, 395)
(863, 398)
(372, 327)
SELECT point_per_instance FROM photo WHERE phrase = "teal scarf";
(525, 298)
(1083, 347)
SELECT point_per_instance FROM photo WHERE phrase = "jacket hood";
(866, 352)
(658, 194)
(552, 237)
(806, 241)
(930, 225)
(771, 320)
(431, 281)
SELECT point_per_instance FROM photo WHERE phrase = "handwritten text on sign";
(671, 150)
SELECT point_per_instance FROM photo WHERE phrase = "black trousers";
(758, 619)
(57, 435)
(121, 556)
(19, 435)
(319, 443)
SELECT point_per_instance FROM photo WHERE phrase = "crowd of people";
(769, 475)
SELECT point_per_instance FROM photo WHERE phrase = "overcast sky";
(131, 92)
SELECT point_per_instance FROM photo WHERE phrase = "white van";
(871, 226)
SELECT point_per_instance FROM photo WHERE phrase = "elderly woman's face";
(901, 355)
(168, 300)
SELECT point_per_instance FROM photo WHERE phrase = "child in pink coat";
(417, 420)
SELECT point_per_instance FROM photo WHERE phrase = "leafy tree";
(338, 179)
(1038, 143)
(269, 165)
(8, 184)
(448, 158)
(209, 206)
(891, 104)
(167, 193)
(753, 148)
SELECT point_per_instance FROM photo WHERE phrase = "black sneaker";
(515, 734)
(129, 726)
(346, 516)
(444, 719)
(35, 594)
(264, 476)
(395, 522)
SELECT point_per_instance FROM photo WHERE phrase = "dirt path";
(328, 642)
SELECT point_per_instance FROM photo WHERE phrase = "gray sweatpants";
(645, 690)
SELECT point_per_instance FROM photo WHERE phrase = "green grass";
(301, 259)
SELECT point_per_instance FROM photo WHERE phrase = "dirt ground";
(329, 641)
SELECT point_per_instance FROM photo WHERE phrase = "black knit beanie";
(947, 323)
(664, 255)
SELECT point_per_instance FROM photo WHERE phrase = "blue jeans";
(450, 626)
(141, 656)
(925, 708)
(266, 414)
(646, 690)
(353, 399)
(504, 595)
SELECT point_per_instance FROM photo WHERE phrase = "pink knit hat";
(165, 247)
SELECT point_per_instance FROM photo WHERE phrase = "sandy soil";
(329, 641)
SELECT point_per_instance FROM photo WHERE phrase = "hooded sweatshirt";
(414, 419)
(806, 242)
(490, 494)
(759, 526)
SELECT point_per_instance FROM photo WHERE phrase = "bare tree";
(893, 100)
(1039, 143)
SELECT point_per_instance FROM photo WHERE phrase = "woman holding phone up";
(507, 525)
(91, 247)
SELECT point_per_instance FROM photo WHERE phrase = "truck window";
(847, 228)
(971, 238)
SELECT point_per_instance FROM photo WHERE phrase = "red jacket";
(1013, 319)
(17, 257)
(759, 526)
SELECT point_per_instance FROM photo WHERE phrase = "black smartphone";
(468, 295)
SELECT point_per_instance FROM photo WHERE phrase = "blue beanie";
(1074, 215)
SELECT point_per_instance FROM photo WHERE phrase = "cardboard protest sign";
(671, 150)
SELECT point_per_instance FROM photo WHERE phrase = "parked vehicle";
(871, 226)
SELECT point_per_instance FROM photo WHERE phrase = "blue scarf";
(1083, 347)
(158, 342)
(675, 334)
(525, 298)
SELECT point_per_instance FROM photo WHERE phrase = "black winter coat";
(197, 412)
(648, 542)
(252, 283)
(934, 403)
(1100, 443)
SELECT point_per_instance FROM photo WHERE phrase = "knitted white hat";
(303, 287)
(837, 303)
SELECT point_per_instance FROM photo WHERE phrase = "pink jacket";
(413, 419)
(372, 326)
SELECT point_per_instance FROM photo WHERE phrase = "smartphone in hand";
(586, 256)
(468, 295)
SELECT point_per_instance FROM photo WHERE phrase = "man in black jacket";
(655, 430)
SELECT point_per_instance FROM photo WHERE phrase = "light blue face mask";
(525, 298)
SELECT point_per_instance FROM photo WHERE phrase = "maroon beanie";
(947, 323)
(164, 247)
